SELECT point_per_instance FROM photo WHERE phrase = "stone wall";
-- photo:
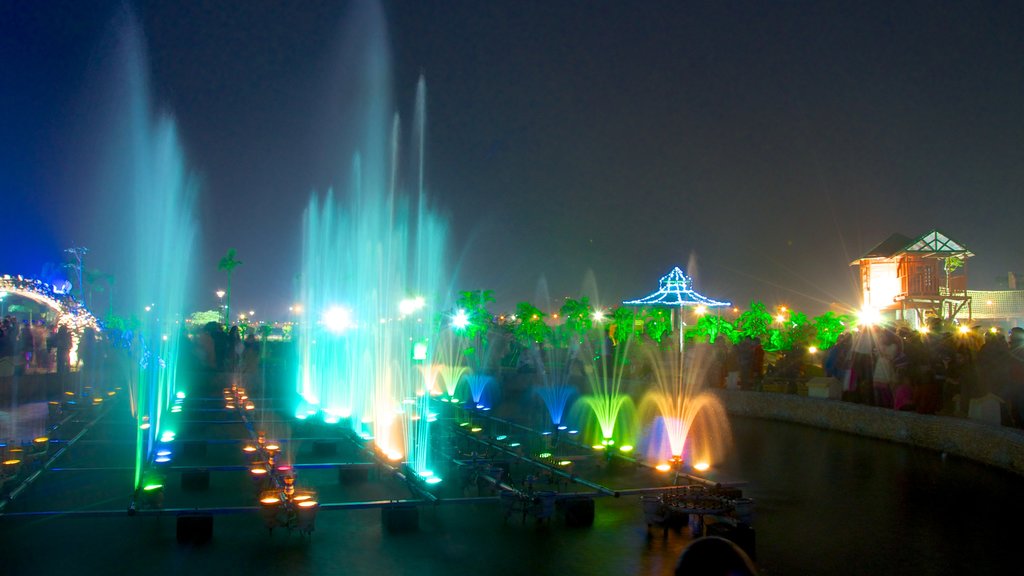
(995, 445)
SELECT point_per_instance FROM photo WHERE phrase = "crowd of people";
(38, 347)
(932, 371)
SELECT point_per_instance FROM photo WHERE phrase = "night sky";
(760, 145)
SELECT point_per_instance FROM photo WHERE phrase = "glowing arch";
(70, 312)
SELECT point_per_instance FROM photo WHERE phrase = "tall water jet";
(373, 276)
(150, 190)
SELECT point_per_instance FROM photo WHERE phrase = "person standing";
(883, 379)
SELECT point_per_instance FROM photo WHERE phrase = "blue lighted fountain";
(150, 194)
(373, 280)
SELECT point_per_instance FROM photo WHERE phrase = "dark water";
(826, 503)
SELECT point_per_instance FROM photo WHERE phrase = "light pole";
(220, 304)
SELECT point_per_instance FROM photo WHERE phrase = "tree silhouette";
(228, 263)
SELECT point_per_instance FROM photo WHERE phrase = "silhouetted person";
(714, 556)
(63, 346)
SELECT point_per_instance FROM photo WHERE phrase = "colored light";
(394, 455)
(337, 320)
(460, 320)
(563, 427)
(625, 448)
(433, 480)
(249, 448)
(162, 460)
(152, 487)
(164, 452)
(514, 444)
(11, 462)
(307, 503)
(564, 462)
(663, 467)
(475, 429)
(258, 471)
(180, 395)
(41, 440)
(543, 455)
(598, 446)
(419, 351)
(813, 349)
(701, 466)
(502, 437)
(869, 316)
(270, 500)
(964, 329)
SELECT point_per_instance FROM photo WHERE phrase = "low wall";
(995, 445)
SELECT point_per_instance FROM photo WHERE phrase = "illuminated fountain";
(151, 191)
(373, 278)
(608, 402)
(687, 426)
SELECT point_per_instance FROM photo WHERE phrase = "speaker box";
(195, 528)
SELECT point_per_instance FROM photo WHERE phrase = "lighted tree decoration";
(623, 325)
(579, 316)
(228, 264)
(754, 323)
(479, 321)
(829, 326)
(530, 326)
(657, 323)
(796, 330)
(204, 317)
(711, 327)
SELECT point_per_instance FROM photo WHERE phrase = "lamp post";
(220, 303)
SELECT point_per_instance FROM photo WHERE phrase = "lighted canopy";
(675, 290)
(69, 311)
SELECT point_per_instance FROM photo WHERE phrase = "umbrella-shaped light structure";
(675, 290)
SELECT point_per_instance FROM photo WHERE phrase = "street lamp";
(220, 304)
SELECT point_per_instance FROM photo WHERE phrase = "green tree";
(228, 264)
(579, 316)
(530, 325)
(623, 325)
(474, 303)
(829, 326)
(754, 323)
(657, 322)
(711, 327)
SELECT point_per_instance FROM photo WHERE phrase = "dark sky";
(763, 145)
